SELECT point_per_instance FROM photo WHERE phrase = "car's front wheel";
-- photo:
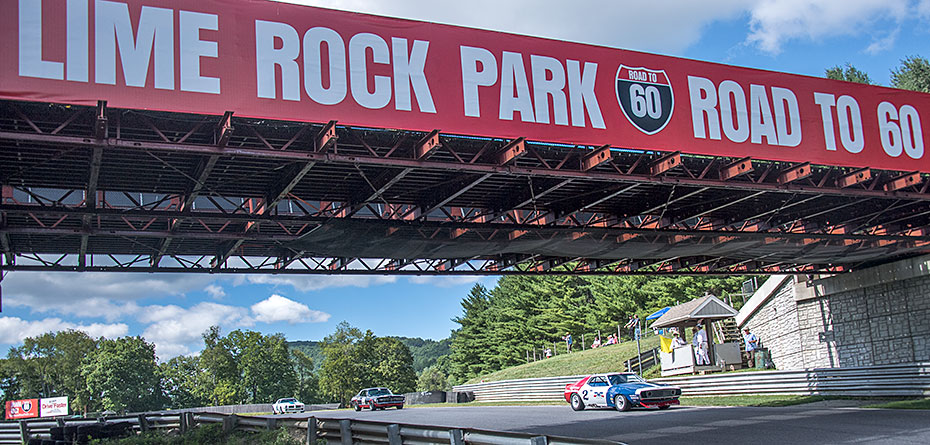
(665, 406)
(357, 408)
(577, 403)
(400, 406)
(621, 403)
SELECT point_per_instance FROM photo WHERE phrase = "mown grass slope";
(589, 361)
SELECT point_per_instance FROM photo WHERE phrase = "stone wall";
(776, 325)
(876, 316)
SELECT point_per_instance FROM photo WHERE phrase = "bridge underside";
(98, 189)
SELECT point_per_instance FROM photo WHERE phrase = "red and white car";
(620, 391)
(377, 398)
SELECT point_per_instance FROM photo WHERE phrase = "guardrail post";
(456, 437)
(271, 423)
(311, 431)
(143, 423)
(539, 440)
(182, 423)
(24, 431)
(393, 432)
(345, 431)
(229, 423)
(191, 420)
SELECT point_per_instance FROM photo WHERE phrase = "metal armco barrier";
(911, 379)
(333, 431)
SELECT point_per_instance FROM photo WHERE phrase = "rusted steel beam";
(326, 138)
(854, 178)
(903, 181)
(511, 151)
(426, 146)
(665, 163)
(737, 168)
(795, 173)
(598, 157)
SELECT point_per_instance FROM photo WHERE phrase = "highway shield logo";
(646, 98)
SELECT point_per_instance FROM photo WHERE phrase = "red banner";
(282, 61)
(22, 409)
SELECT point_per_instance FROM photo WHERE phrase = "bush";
(206, 435)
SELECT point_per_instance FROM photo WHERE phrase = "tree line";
(242, 367)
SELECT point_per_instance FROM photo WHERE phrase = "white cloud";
(883, 44)
(215, 291)
(662, 26)
(14, 330)
(176, 330)
(94, 295)
(774, 22)
(277, 308)
(305, 283)
(923, 8)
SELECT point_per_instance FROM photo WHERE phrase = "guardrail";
(312, 429)
(886, 380)
(645, 360)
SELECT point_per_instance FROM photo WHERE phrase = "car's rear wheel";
(665, 406)
(621, 403)
(400, 406)
(577, 403)
(357, 408)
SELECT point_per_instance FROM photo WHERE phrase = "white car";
(287, 405)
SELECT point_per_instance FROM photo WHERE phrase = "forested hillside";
(500, 326)
(425, 352)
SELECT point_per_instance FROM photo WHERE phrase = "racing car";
(377, 398)
(287, 405)
(620, 391)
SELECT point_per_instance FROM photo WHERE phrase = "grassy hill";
(590, 361)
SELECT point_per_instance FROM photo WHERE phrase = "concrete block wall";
(877, 316)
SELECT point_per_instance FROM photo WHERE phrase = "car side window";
(598, 381)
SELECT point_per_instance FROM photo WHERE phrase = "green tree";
(247, 367)
(308, 384)
(471, 342)
(341, 376)
(432, 378)
(913, 74)
(183, 381)
(394, 366)
(222, 384)
(49, 366)
(848, 73)
(124, 375)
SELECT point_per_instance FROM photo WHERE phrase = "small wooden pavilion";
(700, 312)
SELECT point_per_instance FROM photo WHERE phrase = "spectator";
(631, 325)
(700, 346)
(611, 340)
(548, 353)
(678, 342)
(752, 344)
(568, 341)
(596, 344)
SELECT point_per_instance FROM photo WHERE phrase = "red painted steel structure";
(596, 161)
(99, 189)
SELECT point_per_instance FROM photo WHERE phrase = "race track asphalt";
(802, 424)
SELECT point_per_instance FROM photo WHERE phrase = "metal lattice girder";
(162, 186)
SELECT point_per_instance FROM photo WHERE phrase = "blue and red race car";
(620, 391)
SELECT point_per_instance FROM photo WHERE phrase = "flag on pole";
(665, 344)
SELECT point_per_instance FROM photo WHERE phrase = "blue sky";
(172, 310)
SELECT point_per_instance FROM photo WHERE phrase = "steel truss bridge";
(100, 189)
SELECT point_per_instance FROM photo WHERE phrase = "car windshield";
(618, 379)
(379, 392)
(288, 401)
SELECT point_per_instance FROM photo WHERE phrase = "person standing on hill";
(752, 343)
(700, 346)
(568, 341)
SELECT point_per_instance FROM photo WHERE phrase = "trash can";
(762, 359)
